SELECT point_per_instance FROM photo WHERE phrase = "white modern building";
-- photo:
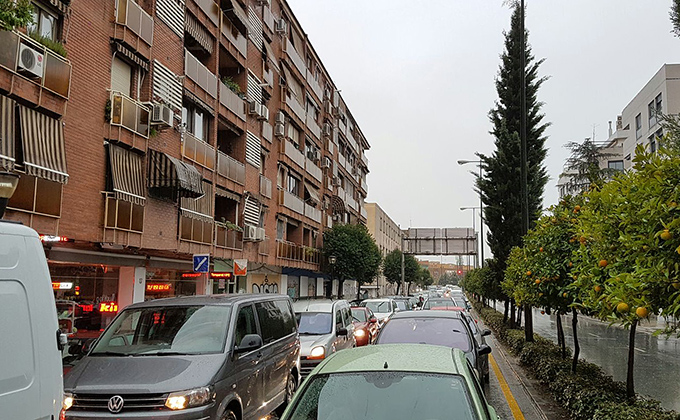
(387, 236)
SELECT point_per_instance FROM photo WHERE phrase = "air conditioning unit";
(279, 130)
(31, 61)
(317, 156)
(336, 181)
(336, 217)
(281, 26)
(280, 117)
(327, 130)
(249, 233)
(328, 107)
(327, 163)
(264, 113)
(162, 115)
(255, 108)
(259, 234)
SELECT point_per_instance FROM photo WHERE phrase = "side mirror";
(62, 340)
(483, 349)
(373, 320)
(89, 345)
(486, 332)
(342, 332)
(248, 343)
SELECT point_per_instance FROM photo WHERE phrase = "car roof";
(316, 305)
(396, 357)
(426, 314)
(223, 300)
(377, 300)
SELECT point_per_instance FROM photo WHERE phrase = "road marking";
(512, 403)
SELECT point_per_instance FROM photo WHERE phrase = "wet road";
(657, 359)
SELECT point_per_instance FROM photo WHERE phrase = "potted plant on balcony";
(233, 86)
(226, 224)
(15, 14)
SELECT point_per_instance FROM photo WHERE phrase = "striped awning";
(199, 208)
(237, 16)
(7, 156)
(62, 6)
(172, 176)
(221, 192)
(126, 175)
(130, 55)
(198, 32)
(313, 193)
(42, 139)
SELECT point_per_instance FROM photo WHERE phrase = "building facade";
(173, 129)
(387, 235)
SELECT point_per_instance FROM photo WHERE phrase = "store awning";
(7, 156)
(198, 32)
(313, 194)
(42, 138)
(127, 175)
(167, 172)
(238, 17)
(200, 208)
(130, 55)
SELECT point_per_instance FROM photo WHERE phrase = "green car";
(392, 382)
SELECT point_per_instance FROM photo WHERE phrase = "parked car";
(442, 303)
(387, 382)
(190, 357)
(365, 325)
(441, 328)
(405, 303)
(325, 327)
(30, 356)
(383, 309)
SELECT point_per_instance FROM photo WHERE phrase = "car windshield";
(359, 315)
(439, 303)
(314, 323)
(401, 305)
(379, 307)
(385, 396)
(447, 332)
(169, 330)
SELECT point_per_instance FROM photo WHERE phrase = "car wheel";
(229, 415)
(291, 387)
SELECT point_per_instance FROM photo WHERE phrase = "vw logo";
(116, 404)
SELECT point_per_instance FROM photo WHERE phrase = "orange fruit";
(598, 288)
(564, 294)
(577, 208)
(622, 307)
(642, 312)
(537, 281)
(603, 263)
(540, 249)
(571, 264)
(666, 235)
(529, 273)
(571, 241)
(582, 239)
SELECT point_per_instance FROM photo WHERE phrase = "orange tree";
(628, 262)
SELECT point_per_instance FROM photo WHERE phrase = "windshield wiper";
(109, 353)
(163, 353)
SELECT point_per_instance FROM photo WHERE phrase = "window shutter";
(251, 212)
(253, 149)
(254, 90)
(166, 86)
(121, 76)
(172, 13)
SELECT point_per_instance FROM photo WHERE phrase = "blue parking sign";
(201, 263)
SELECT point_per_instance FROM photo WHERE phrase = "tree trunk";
(505, 311)
(408, 288)
(560, 335)
(398, 286)
(630, 386)
(512, 313)
(577, 348)
(528, 324)
(518, 321)
(341, 284)
(358, 291)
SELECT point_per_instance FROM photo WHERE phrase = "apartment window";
(196, 121)
(121, 76)
(638, 126)
(45, 23)
(652, 145)
(659, 104)
(293, 185)
(280, 229)
(651, 111)
(294, 135)
(616, 165)
(124, 215)
(37, 195)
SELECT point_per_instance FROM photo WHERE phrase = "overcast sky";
(419, 79)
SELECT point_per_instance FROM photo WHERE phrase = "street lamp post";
(481, 207)
(329, 290)
(474, 229)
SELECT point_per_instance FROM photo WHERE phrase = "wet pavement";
(657, 359)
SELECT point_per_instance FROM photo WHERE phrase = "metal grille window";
(255, 31)
(166, 86)
(254, 89)
(251, 212)
(253, 149)
(172, 13)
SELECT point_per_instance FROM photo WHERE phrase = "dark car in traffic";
(365, 325)
(198, 357)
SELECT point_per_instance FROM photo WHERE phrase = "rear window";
(436, 331)
(359, 315)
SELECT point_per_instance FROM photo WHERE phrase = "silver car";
(325, 327)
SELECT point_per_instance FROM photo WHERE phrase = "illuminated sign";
(191, 275)
(221, 275)
(87, 308)
(51, 238)
(62, 285)
(108, 307)
(159, 287)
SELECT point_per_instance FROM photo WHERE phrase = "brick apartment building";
(177, 127)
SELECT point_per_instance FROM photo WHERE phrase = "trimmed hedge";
(589, 394)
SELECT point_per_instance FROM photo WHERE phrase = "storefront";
(165, 283)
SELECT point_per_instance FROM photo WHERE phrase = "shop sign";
(62, 285)
(241, 267)
(111, 307)
(158, 287)
(226, 276)
(191, 275)
(52, 239)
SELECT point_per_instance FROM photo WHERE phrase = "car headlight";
(359, 333)
(190, 398)
(67, 401)
(318, 352)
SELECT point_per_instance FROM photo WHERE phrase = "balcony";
(364, 159)
(267, 131)
(313, 170)
(198, 151)
(314, 85)
(263, 247)
(288, 149)
(313, 126)
(342, 161)
(268, 18)
(211, 9)
(329, 221)
(291, 202)
(292, 53)
(269, 78)
(330, 146)
(295, 106)
(227, 238)
(56, 75)
(233, 102)
(364, 213)
(265, 186)
(235, 38)
(296, 252)
(130, 114)
(352, 142)
(123, 221)
(200, 74)
(131, 15)
(364, 185)
(231, 168)
(341, 193)
(342, 126)
(351, 202)
(313, 213)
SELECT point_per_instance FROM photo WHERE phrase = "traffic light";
(460, 272)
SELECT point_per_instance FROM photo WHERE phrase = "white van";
(31, 384)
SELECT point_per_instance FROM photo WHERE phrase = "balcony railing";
(56, 76)
(234, 36)
(128, 113)
(211, 9)
(364, 185)
(268, 18)
(198, 151)
(352, 142)
(263, 246)
(296, 252)
(351, 202)
(265, 186)
(226, 238)
(313, 213)
(314, 85)
(313, 126)
(295, 57)
(132, 15)
(269, 77)
(293, 154)
(267, 131)
(313, 170)
(297, 108)
(232, 101)
(342, 161)
(364, 159)
(291, 201)
(200, 74)
(231, 168)
(364, 213)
